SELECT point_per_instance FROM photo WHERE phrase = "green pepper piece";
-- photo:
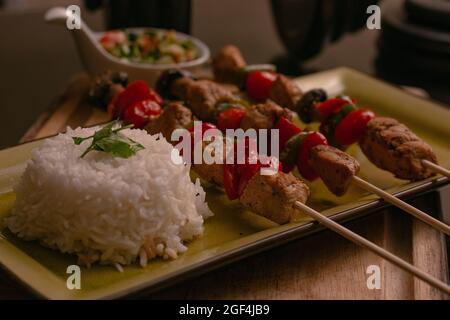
(290, 152)
(329, 126)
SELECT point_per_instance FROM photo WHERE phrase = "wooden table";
(321, 266)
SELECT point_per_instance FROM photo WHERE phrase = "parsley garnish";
(111, 141)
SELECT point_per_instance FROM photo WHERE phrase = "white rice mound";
(108, 209)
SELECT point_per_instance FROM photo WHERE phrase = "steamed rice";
(107, 209)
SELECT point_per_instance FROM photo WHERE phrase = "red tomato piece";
(250, 150)
(140, 112)
(246, 172)
(135, 92)
(258, 84)
(111, 38)
(153, 95)
(287, 129)
(351, 128)
(311, 140)
(205, 126)
(112, 107)
(231, 181)
(230, 118)
(330, 106)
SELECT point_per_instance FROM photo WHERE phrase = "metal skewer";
(436, 168)
(350, 235)
(402, 205)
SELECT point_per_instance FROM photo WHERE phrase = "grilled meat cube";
(232, 88)
(106, 86)
(180, 87)
(273, 196)
(335, 167)
(174, 116)
(391, 146)
(203, 96)
(212, 173)
(167, 78)
(227, 64)
(270, 196)
(285, 92)
(264, 116)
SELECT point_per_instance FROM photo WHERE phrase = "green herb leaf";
(109, 140)
(78, 140)
(118, 146)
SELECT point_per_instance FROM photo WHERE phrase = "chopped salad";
(156, 47)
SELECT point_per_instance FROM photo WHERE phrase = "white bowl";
(96, 59)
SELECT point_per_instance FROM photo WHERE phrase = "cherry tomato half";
(140, 112)
(287, 129)
(135, 92)
(111, 38)
(258, 84)
(351, 128)
(330, 106)
(230, 118)
(311, 140)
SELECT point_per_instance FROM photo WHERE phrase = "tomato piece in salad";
(112, 38)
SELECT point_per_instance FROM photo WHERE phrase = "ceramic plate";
(233, 232)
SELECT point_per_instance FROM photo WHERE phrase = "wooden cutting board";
(321, 266)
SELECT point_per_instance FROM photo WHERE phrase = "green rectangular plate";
(233, 233)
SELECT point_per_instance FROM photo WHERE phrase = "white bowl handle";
(85, 39)
(56, 15)
(59, 15)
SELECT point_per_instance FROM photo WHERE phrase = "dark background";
(38, 60)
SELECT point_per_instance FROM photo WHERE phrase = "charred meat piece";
(335, 167)
(174, 116)
(264, 116)
(273, 196)
(165, 81)
(180, 88)
(212, 173)
(203, 96)
(391, 146)
(270, 196)
(285, 92)
(106, 86)
(227, 64)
